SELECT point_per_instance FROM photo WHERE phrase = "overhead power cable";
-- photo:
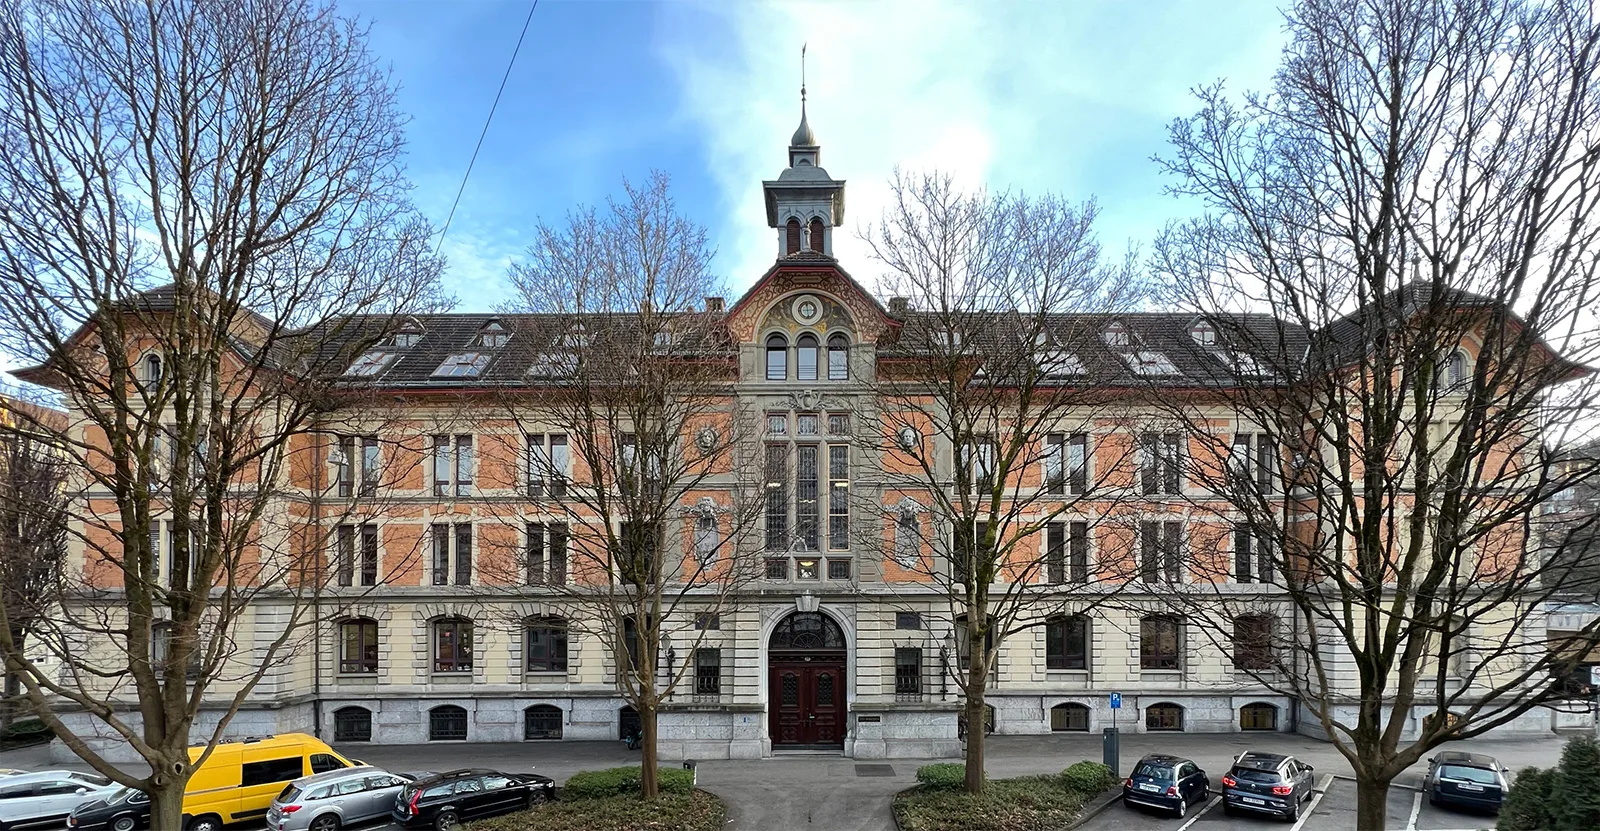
(486, 122)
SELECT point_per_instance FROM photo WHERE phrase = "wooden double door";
(806, 700)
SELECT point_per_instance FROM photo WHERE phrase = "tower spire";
(803, 137)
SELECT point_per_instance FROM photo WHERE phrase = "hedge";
(942, 775)
(623, 781)
(1088, 778)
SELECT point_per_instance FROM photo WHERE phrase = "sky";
(1066, 97)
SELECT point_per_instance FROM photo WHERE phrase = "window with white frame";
(1066, 464)
(978, 460)
(1160, 551)
(371, 363)
(707, 671)
(635, 559)
(453, 463)
(545, 547)
(493, 335)
(463, 365)
(357, 555)
(452, 553)
(1253, 462)
(1066, 552)
(547, 465)
(1160, 463)
(358, 458)
(1252, 555)
(800, 462)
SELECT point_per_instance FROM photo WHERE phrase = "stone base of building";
(258, 720)
(904, 732)
(1539, 720)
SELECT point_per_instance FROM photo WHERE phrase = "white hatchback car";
(43, 800)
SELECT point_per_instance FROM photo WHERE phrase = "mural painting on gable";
(845, 306)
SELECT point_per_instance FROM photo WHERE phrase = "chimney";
(715, 305)
(898, 306)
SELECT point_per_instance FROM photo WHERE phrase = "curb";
(1091, 813)
(1392, 784)
(894, 817)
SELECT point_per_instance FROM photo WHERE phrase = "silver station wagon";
(337, 798)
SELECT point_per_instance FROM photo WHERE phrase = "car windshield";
(290, 793)
(1150, 770)
(1254, 775)
(1466, 774)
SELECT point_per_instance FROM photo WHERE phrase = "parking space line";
(1196, 818)
(1320, 791)
(1416, 810)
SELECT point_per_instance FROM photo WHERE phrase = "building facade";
(440, 635)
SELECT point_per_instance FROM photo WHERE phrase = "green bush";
(696, 811)
(599, 784)
(942, 775)
(1575, 793)
(1527, 805)
(1028, 803)
(1087, 778)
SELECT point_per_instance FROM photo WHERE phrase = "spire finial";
(803, 137)
(803, 76)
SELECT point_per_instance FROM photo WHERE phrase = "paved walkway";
(790, 793)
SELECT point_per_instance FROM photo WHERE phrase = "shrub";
(1575, 793)
(942, 775)
(1087, 778)
(696, 811)
(1029, 803)
(1527, 804)
(599, 784)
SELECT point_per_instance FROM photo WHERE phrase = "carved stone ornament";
(807, 602)
(706, 507)
(908, 507)
(706, 439)
(813, 400)
(907, 438)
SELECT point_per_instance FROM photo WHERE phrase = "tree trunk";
(1372, 803)
(11, 696)
(649, 788)
(166, 800)
(976, 733)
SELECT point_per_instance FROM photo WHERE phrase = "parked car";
(239, 779)
(44, 799)
(1171, 783)
(125, 809)
(1267, 783)
(443, 800)
(1465, 780)
(328, 801)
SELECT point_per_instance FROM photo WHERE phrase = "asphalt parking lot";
(1333, 809)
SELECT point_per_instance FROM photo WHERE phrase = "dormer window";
(553, 365)
(816, 235)
(1058, 363)
(1150, 363)
(1203, 333)
(575, 338)
(408, 335)
(1116, 335)
(792, 237)
(462, 365)
(493, 335)
(663, 340)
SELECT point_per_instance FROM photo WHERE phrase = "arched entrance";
(806, 682)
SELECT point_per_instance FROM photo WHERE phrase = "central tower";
(804, 203)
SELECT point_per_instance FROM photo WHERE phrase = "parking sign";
(1116, 701)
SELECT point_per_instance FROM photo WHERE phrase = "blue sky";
(1065, 97)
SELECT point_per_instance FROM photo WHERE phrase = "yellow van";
(239, 780)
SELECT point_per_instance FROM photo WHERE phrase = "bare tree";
(33, 527)
(1414, 202)
(986, 409)
(638, 381)
(198, 198)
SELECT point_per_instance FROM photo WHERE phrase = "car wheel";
(1183, 807)
(124, 824)
(326, 822)
(1293, 813)
(446, 821)
(205, 823)
(1228, 810)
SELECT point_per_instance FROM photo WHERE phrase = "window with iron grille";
(838, 497)
(708, 671)
(1071, 718)
(541, 721)
(908, 671)
(447, 723)
(352, 724)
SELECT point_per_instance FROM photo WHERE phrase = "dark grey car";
(337, 798)
(1268, 783)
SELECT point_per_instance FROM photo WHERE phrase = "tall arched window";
(447, 723)
(150, 372)
(792, 239)
(1455, 370)
(358, 645)
(805, 363)
(816, 235)
(352, 724)
(838, 357)
(777, 358)
(541, 721)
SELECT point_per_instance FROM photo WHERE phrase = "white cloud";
(1017, 95)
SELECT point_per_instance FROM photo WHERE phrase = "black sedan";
(1465, 780)
(1170, 782)
(125, 810)
(443, 800)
